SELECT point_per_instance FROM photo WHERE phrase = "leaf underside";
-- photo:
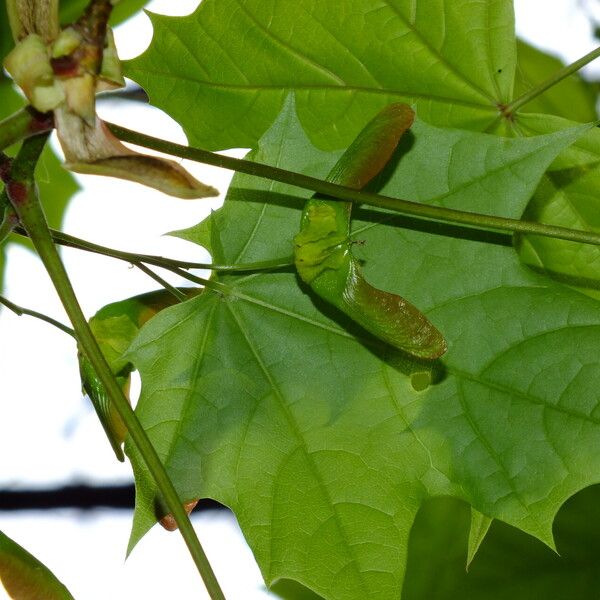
(262, 398)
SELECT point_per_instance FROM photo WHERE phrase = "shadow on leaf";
(510, 564)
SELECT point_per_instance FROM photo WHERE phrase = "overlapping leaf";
(257, 395)
(224, 71)
(569, 195)
(572, 98)
(24, 577)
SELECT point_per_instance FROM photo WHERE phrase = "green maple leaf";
(233, 62)
(224, 71)
(257, 395)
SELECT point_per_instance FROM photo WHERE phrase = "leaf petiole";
(20, 311)
(165, 284)
(405, 207)
(71, 241)
(510, 108)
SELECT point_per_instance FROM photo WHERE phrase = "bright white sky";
(49, 435)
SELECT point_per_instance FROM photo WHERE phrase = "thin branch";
(173, 290)
(539, 89)
(70, 241)
(81, 497)
(404, 207)
(20, 310)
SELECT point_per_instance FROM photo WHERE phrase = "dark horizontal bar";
(83, 497)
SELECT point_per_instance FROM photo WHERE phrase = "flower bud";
(80, 93)
(29, 65)
(67, 42)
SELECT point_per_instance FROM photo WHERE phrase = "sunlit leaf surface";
(261, 397)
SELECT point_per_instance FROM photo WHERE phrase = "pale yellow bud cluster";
(58, 71)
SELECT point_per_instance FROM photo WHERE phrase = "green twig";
(405, 207)
(71, 241)
(539, 89)
(23, 196)
(20, 310)
(22, 124)
(165, 284)
(208, 283)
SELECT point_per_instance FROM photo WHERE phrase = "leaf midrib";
(346, 89)
(301, 441)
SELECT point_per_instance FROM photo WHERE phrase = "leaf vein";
(296, 431)
(435, 52)
(491, 451)
(345, 89)
(291, 50)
